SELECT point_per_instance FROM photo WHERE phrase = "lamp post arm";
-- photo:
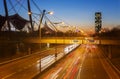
(39, 28)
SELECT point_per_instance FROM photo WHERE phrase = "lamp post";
(39, 27)
(42, 16)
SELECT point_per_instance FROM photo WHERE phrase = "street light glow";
(51, 13)
(29, 13)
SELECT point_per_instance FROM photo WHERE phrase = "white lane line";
(18, 71)
(78, 77)
(55, 75)
(62, 77)
(8, 75)
(108, 68)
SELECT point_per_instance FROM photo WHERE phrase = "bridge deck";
(72, 40)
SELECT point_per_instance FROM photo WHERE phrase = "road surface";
(27, 67)
(87, 62)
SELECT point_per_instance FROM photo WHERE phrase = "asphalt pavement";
(86, 62)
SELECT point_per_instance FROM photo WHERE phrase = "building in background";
(98, 22)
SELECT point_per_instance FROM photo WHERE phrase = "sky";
(77, 12)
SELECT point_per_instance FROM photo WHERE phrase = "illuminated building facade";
(98, 22)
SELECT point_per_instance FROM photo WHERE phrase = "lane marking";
(9, 75)
(78, 77)
(54, 75)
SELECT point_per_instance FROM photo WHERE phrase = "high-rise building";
(98, 22)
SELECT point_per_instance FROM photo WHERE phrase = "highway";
(86, 62)
(26, 67)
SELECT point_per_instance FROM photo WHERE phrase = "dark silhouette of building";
(16, 20)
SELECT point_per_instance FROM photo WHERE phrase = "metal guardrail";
(49, 60)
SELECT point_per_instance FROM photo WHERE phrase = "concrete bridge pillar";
(29, 50)
(81, 41)
(110, 51)
(17, 49)
(48, 45)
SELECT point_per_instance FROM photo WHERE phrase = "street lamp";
(51, 13)
(39, 28)
(43, 14)
(29, 13)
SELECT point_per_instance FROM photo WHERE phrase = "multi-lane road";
(87, 62)
(26, 67)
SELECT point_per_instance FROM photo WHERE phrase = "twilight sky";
(76, 12)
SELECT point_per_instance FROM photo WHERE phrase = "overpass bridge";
(65, 40)
(72, 40)
(110, 45)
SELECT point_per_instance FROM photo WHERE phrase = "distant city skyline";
(77, 12)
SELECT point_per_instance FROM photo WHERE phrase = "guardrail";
(49, 60)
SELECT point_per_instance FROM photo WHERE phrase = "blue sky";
(79, 12)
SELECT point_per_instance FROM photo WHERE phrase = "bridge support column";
(17, 49)
(40, 65)
(29, 50)
(55, 56)
(48, 45)
(109, 52)
(81, 41)
(56, 53)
